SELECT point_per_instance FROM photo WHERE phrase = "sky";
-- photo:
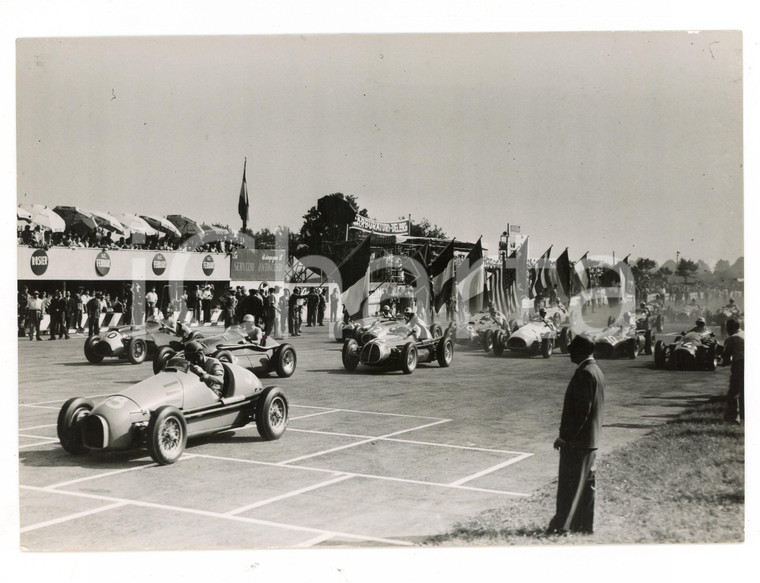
(626, 142)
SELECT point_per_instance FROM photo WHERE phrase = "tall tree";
(425, 229)
(328, 219)
(686, 268)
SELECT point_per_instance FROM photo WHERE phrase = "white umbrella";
(136, 224)
(23, 214)
(108, 222)
(162, 225)
(44, 217)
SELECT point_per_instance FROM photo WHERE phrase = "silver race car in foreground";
(163, 411)
(388, 344)
(622, 339)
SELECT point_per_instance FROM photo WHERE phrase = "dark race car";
(388, 345)
(722, 315)
(695, 350)
(233, 345)
(689, 312)
(163, 411)
(134, 343)
(479, 331)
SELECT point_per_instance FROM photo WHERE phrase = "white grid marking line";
(72, 516)
(312, 415)
(288, 495)
(97, 476)
(362, 442)
(37, 427)
(45, 437)
(358, 475)
(329, 433)
(369, 412)
(491, 469)
(314, 541)
(223, 516)
(48, 442)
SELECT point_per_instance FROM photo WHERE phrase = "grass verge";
(681, 483)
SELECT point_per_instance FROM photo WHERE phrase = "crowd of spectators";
(100, 238)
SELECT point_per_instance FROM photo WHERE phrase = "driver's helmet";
(542, 312)
(248, 318)
(192, 350)
(731, 302)
(701, 322)
(627, 317)
(643, 305)
(408, 313)
(386, 310)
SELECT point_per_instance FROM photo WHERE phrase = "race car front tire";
(271, 414)
(498, 343)
(488, 340)
(69, 434)
(445, 352)
(137, 350)
(284, 360)
(167, 435)
(547, 346)
(89, 350)
(660, 356)
(565, 337)
(436, 331)
(408, 358)
(350, 354)
(163, 356)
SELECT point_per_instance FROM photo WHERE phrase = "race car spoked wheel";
(137, 350)
(633, 348)
(89, 350)
(284, 360)
(445, 352)
(499, 340)
(408, 358)
(488, 340)
(436, 331)
(163, 356)
(547, 346)
(271, 413)
(73, 411)
(167, 435)
(659, 354)
(350, 354)
(711, 359)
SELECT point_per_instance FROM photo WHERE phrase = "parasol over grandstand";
(162, 225)
(136, 224)
(185, 225)
(77, 220)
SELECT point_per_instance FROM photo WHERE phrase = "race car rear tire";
(350, 354)
(284, 360)
(89, 351)
(223, 356)
(565, 336)
(499, 341)
(445, 352)
(660, 354)
(408, 358)
(69, 434)
(488, 340)
(649, 339)
(436, 331)
(163, 356)
(137, 350)
(547, 346)
(166, 435)
(271, 414)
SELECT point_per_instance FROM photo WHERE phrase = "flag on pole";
(471, 275)
(541, 279)
(563, 275)
(354, 277)
(443, 274)
(579, 278)
(243, 200)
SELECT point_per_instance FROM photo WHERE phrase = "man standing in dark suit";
(579, 434)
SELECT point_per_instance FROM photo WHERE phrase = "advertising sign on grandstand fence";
(258, 265)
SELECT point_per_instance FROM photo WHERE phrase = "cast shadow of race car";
(163, 411)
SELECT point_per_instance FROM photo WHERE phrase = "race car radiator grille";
(94, 432)
(370, 353)
(516, 343)
(102, 348)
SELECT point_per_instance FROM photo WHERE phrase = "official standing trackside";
(579, 436)
(94, 307)
(286, 322)
(334, 298)
(295, 310)
(312, 301)
(228, 308)
(151, 300)
(321, 306)
(733, 354)
(34, 310)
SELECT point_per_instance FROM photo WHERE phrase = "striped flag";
(354, 274)
(471, 280)
(504, 287)
(541, 279)
(579, 277)
(443, 273)
(243, 200)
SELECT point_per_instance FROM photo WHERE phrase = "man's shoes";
(39, 337)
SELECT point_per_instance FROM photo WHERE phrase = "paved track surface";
(369, 458)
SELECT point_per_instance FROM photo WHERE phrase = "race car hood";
(532, 331)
